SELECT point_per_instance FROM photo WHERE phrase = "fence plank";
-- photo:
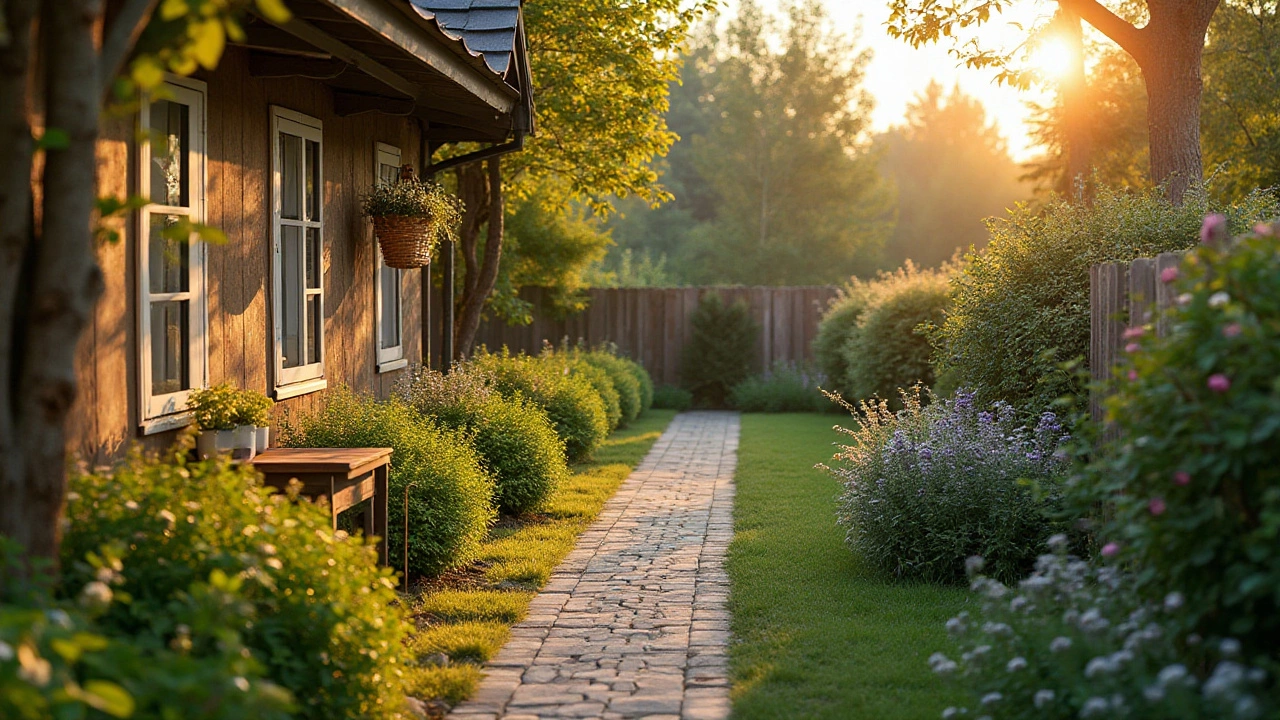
(1108, 295)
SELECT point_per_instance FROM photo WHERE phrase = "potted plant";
(409, 217)
(253, 410)
(214, 410)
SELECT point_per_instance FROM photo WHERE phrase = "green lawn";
(817, 635)
(467, 614)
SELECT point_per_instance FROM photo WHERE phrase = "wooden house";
(275, 148)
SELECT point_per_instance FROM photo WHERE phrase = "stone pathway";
(633, 624)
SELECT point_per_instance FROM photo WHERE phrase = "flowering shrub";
(209, 559)
(784, 388)
(1194, 491)
(929, 486)
(1070, 642)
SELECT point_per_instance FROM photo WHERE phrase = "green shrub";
(927, 487)
(721, 351)
(623, 375)
(514, 439)
(602, 383)
(313, 606)
(838, 326)
(672, 397)
(574, 407)
(451, 498)
(1028, 292)
(1194, 491)
(785, 388)
(646, 383)
(891, 350)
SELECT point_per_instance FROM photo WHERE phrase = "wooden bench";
(346, 476)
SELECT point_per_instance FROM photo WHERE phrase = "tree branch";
(1121, 31)
(120, 37)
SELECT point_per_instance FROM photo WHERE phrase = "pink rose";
(1132, 348)
(1156, 506)
(1182, 477)
(1110, 549)
(1168, 275)
(1219, 383)
(1231, 330)
(1214, 227)
(1134, 332)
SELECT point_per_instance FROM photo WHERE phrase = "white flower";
(1219, 299)
(974, 564)
(991, 698)
(991, 628)
(1229, 647)
(1057, 542)
(950, 713)
(1247, 708)
(1185, 299)
(167, 516)
(941, 664)
(131, 505)
(1060, 644)
(241, 683)
(95, 595)
(1173, 601)
(59, 618)
(34, 669)
(1018, 603)
(1016, 664)
(1153, 693)
(6, 651)
(956, 626)
(1099, 666)
(1172, 674)
(1094, 707)
(1044, 697)
(1225, 677)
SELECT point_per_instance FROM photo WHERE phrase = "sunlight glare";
(1052, 59)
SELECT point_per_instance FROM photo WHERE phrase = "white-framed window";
(172, 302)
(297, 289)
(387, 281)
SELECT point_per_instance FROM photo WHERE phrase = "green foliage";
(625, 379)
(572, 404)
(891, 349)
(623, 270)
(450, 494)
(224, 406)
(601, 382)
(646, 384)
(672, 397)
(721, 350)
(1022, 305)
(784, 388)
(927, 487)
(1193, 491)
(837, 328)
(312, 605)
(952, 170)
(514, 439)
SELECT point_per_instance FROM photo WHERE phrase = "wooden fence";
(1124, 295)
(652, 324)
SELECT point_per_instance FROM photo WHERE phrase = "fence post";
(1107, 298)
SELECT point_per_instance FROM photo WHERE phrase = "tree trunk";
(64, 282)
(482, 276)
(1078, 112)
(1174, 86)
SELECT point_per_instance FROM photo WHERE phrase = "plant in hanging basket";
(409, 217)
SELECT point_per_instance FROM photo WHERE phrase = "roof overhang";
(384, 56)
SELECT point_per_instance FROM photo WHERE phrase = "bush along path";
(634, 623)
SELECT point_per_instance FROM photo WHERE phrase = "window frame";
(388, 359)
(302, 379)
(158, 413)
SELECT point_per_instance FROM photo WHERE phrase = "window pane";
(313, 181)
(290, 176)
(291, 294)
(170, 153)
(388, 173)
(314, 255)
(313, 329)
(168, 261)
(389, 279)
(170, 338)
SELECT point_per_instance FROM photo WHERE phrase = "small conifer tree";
(721, 351)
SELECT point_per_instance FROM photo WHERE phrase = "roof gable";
(487, 28)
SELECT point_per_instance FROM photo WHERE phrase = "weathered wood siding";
(106, 418)
(1121, 296)
(652, 324)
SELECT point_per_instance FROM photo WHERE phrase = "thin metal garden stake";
(406, 535)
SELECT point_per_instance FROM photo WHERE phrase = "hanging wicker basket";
(405, 240)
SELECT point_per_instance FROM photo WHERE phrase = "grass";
(465, 616)
(817, 634)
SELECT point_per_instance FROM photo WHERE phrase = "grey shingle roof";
(486, 27)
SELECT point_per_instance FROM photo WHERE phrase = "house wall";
(106, 418)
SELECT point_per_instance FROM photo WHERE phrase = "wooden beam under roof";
(398, 29)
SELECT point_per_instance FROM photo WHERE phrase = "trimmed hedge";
(626, 381)
(189, 541)
(514, 439)
(451, 498)
(672, 397)
(572, 405)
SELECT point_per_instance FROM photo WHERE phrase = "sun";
(1052, 58)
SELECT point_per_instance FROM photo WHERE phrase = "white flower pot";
(212, 442)
(246, 442)
(262, 439)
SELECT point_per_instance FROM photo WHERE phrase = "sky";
(898, 72)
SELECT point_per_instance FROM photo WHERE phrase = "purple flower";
(1133, 375)
(1132, 348)
(1182, 477)
(1110, 549)
(1168, 275)
(1219, 383)
(1156, 506)
(1134, 332)
(1214, 227)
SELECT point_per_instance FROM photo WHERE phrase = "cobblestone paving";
(633, 624)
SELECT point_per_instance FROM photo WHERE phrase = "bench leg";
(380, 511)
